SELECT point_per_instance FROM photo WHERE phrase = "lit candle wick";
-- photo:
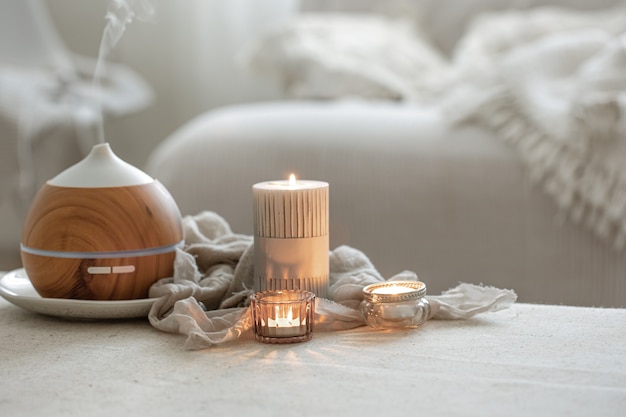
(292, 180)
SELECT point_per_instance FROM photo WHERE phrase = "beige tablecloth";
(528, 360)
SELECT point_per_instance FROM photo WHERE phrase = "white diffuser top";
(100, 169)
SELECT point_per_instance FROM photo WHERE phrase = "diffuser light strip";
(103, 255)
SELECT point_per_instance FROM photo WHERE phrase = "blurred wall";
(188, 54)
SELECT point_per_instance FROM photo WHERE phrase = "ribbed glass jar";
(285, 316)
(395, 304)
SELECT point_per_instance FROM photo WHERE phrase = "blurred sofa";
(410, 186)
(410, 191)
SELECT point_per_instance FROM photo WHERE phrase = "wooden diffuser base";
(100, 243)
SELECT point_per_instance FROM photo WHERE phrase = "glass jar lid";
(394, 291)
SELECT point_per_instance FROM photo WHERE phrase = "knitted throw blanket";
(553, 85)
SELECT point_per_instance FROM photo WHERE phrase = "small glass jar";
(285, 316)
(395, 304)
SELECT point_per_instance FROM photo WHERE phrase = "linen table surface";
(528, 360)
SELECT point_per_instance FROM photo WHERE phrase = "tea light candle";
(283, 316)
(291, 235)
(395, 304)
(283, 325)
(392, 288)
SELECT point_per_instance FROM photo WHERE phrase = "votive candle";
(283, 316)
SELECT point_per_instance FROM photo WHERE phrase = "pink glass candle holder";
(283, 316)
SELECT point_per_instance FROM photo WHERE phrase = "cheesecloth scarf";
(207, 299)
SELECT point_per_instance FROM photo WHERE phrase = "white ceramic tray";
(15, 287)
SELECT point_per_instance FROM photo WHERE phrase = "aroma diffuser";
(100, 230)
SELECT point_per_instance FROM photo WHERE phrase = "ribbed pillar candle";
(291, 236)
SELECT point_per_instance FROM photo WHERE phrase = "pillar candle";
(291, 235)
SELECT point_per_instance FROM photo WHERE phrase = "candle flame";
(283, 319)
(292, 180)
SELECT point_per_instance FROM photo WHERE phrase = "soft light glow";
(393, 289)
(282, 319)
(284, 325)
(292, 180)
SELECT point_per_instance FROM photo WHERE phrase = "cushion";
(325, 56)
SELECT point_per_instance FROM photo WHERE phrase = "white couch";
(410, 188)
(452, 204)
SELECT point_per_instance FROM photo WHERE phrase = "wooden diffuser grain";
(101, 230)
